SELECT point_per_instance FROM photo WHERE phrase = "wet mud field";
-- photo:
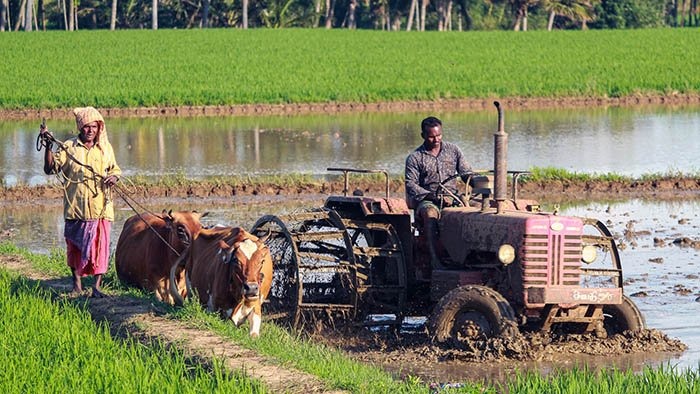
(659, 240)
(660, 252)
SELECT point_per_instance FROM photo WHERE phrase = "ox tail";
(174, 289)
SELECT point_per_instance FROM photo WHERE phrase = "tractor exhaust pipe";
(500, 161)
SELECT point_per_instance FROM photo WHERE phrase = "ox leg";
(254, 321)
(240, 313)
(162, 292)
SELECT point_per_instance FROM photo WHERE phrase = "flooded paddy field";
(660, 252)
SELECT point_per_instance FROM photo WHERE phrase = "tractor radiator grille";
(551, 260)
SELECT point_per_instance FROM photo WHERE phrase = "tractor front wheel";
(472, 312)
(622, 317)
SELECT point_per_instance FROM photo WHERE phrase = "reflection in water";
(667, 274)
(630, 141)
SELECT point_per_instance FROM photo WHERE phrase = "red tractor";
(505, 264)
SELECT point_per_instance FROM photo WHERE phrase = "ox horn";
(174, 290)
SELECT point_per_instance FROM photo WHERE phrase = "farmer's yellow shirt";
(85, 197)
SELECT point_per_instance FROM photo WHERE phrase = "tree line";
(394, 15)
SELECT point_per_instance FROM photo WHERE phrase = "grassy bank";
(54, 346)
(40, 338)
(229, 66)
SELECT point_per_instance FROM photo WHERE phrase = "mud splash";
(490, 360)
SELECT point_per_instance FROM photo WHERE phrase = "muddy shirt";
(84, 197)
(424, 172)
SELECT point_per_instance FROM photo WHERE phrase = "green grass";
(134, 68)
(54, 346)
(544, 174)
(44, 335)
(662, 380)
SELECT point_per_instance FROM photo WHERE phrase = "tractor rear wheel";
(622, 317)
(472, 312)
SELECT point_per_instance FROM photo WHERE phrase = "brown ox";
(148, 247)
(230, 270)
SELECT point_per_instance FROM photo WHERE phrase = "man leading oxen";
(149, 245)
(230, 270)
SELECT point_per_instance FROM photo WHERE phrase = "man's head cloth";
(86, 115)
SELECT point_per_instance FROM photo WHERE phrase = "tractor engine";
(533, 259)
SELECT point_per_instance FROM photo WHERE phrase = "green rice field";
(135, 68)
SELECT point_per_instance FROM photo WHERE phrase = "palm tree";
(28, 15)
(113, 17)
(244, 16)
(412, 12)
(154, 15)
(4, 15)
(576, 10)
(330, 6)
(423, 10)
(520, 8)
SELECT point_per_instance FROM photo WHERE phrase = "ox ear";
(224, 251)
(203, 214)
(167, 216)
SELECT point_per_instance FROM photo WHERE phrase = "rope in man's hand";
(45, 139)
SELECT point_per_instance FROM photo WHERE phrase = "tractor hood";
(464, 230)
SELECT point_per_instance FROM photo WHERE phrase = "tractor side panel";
(464, 231)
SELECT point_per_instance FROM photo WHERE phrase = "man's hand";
(46, 136)
(439, 199)
(110, 180)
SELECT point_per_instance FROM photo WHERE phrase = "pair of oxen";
(227, 268)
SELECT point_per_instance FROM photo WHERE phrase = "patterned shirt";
(424, 172)
(84, 197)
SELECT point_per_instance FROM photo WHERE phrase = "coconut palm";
(575, 10)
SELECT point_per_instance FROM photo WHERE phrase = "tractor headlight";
(589, 254)
(506, 254)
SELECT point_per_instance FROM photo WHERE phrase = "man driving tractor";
(426, 167)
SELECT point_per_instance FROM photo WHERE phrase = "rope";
(126, 198)
(46, 140)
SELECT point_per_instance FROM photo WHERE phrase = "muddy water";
(660, 275)
(630, 141)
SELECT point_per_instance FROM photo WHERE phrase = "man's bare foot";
(76, 292)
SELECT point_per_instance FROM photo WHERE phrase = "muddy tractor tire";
(472, 312)
(623, 317)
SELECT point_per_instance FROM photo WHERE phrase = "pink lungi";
(87, 246)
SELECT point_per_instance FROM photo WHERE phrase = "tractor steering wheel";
(443, 191)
